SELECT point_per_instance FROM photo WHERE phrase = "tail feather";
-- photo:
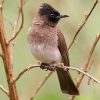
(66, 83)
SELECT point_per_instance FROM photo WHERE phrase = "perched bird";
(48, 44)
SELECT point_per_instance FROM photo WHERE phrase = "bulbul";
(48, 44)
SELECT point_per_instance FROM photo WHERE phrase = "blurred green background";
(76, 9)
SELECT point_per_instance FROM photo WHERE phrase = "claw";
(44, 66)
(47, 67)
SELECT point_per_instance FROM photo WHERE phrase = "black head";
(52, 14)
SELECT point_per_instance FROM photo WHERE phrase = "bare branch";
(66, 68)
(6, 60)
(60, 65)
(83, 23)
(91, 51)
(54, 66)
(87, 63)
(1, 4)
(4, 90)
(0, 55)
(25, 70)
(16, 22)
(8, 22)
(40, 85)
(91, 62)
(81, 71)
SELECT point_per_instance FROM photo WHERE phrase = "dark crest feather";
(46, 8)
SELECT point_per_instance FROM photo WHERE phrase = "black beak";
(62, 16)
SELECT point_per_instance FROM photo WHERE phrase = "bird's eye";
(52, 15)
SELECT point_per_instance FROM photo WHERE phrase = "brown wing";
(66, 83)
(63, 48)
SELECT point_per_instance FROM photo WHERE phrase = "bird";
(47, 44)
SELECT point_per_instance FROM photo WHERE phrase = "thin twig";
(11, 43)
(25, 70)
(0, 55)
(85, 68)
(8, 22)
(22, 22)
(4, 90)
(91, 51)
(91, 63)
(83, 23)
(56, 65)
(40, 85)
(1, 4)
(66, 68)
(81, 71)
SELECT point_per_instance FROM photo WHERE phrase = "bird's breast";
(43, 42)
(46, 54)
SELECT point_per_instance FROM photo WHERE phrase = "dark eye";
(52, 15)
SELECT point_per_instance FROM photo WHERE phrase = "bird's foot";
(46, 66)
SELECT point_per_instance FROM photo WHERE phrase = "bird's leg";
(44, 66)
(47, 66)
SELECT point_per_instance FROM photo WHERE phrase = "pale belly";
(46, 54)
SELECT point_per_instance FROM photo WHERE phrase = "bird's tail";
(66, 83)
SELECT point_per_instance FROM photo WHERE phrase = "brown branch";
(60, 65)
(4, 90)
(66, 68)
(0, 55)
(15, 34)
(92, 61)
(91, 52)
(81, 71)
(25, 70)
(2, 2)
(1, 5)
(82, 25)
(40, 85)
(56, 65)
(6, 60)
(85, 68)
